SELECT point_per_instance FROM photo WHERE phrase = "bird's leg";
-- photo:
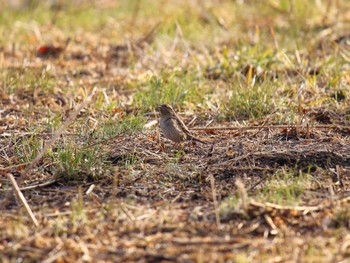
(162, 144)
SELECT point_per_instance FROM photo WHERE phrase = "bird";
(173, 127)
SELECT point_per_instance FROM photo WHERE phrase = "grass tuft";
(172, 88)
(81, 163)
(287, 187)
(251, 102)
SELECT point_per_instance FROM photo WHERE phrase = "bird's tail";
(192, 138)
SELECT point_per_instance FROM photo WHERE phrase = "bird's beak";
(158, 107)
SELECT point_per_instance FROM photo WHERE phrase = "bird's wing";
(184, 128)
(182, 124)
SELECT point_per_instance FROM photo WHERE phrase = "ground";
(265, 83)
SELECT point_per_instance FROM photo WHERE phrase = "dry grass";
(267, 82)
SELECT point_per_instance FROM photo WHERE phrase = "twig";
(269, 221)
(234, 159)
(43, 184)
(22, 199)
(91, 188)
(189, 242)
(55, 257)
(280, 207)
(13, 166)
(304, 209)
(257, 183)
(213, 189)
(242, 192)
(252, 168)
(268, 127)
(70, 119)
(11, 133)
(67, 213)
(127, 213)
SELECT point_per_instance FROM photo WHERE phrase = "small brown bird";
(173, 127)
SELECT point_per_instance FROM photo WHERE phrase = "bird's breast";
(171, 130)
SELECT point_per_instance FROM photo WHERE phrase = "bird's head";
(165, 110)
